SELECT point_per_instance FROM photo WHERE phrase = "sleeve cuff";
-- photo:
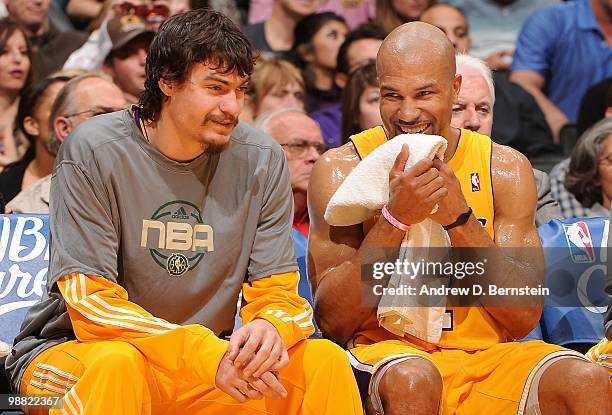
(284, 330)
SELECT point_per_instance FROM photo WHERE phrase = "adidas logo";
(180, 213)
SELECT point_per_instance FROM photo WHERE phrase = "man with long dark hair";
(160, 216)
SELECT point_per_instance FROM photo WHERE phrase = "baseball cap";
(123, 29)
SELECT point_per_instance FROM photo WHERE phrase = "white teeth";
(414, 130)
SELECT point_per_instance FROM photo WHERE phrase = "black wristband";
(461, 220)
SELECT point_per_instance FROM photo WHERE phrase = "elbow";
(527, 320)
(333, 328)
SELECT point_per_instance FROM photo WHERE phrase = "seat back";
(576, 271)
(24, 261)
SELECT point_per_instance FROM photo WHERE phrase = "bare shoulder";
(329, 172)
(513, 179)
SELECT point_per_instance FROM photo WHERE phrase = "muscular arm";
(334, 253)
(533, 83)
(515, 199)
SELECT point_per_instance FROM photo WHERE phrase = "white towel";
(361, 196)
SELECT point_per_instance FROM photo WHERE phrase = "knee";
(120, 357)
(413, 376)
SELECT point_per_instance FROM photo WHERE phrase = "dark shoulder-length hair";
(362, 77)
(197, 36)
(7, 28)
(304, 32)
(582, 178)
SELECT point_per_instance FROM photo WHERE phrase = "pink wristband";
(396, 223)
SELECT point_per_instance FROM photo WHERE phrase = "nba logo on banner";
(579, 242)
(475, 182)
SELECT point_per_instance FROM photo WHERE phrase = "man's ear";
(167, 87)
(62, 127)
(31, 127)
(456, 87)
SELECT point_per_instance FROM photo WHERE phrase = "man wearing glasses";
(302, 141)
(80, 99)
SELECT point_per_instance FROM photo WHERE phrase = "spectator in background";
(360, 45)
(274, 84)
(474, 111)
(596, 104)
(495, 24)
(360, 101)
(452, 22)
(301, 140)
(126, 61)
(582, 184)
(592, 186)
(517, 120)
(392, 13)
(15, 74)
(79, 99)
(355, 12)
(50, 47)
(276, 35)
(33, 121)
(562, 51)
(315, 48)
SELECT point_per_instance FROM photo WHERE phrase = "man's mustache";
(224, 119)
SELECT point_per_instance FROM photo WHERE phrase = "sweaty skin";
(418, 87)
(416, 66)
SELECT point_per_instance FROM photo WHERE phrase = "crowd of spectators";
(551, 81)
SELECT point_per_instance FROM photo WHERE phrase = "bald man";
(475, 367)
(302, 141)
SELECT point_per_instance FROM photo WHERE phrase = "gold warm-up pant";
(113, 377)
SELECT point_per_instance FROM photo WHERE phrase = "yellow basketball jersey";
(468, 328)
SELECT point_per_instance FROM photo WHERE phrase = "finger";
(422, 166)
(237, 340)
(400, 161)
(432, 187)
(247, 390)
(274, 384)
(442, 167)
(283, 361)
(427, 177)
(235, 393)
(263, 388)
(265, 351)
(272, 358)
(248, 349)
(436, 196)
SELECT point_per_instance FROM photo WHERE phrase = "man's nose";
(472, 121)
(409, 111)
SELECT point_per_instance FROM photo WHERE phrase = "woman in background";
(33, 122)
(360, 101)
(589, 176)
(15, 75)
(393, 13)
(275, 84)
(318, 38)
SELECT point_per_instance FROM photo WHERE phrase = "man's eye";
(424, 93)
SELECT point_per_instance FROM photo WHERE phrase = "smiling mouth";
(417, 129)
